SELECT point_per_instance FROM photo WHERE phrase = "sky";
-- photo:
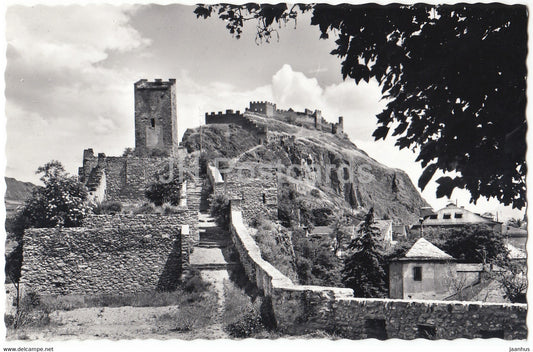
(70, 72)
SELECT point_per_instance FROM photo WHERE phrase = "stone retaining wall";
(303, 309)
(112, 254)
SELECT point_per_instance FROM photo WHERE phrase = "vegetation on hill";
(325, 171)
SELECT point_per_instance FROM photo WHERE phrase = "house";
(427, 272)
(421, 273)
(455, 216)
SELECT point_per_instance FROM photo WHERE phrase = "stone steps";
(214, 266)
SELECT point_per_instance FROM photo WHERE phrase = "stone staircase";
(211, 253)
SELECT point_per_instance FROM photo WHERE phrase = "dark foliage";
(108, 207)
(364, 270)
(475, 244)
(220, 210)
(167, 186)
(316, 263)
(454, 77)
(322, 216)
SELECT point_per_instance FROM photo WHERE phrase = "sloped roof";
(425, 250)
(515, 253)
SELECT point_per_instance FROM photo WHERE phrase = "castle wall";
(238, 119)
(304, 309)
(111, 254)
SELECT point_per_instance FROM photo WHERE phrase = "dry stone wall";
(303, 309)
(114, 255)
(256, 187)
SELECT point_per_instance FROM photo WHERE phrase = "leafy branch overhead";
(453, 76)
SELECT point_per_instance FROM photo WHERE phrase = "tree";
(513, 279)
(475, 244)
(342, 230)
(364, 270)
(454, 77)
(61, 202)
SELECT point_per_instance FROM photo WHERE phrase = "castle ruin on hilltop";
(307, 118)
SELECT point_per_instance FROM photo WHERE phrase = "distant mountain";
(16, 193)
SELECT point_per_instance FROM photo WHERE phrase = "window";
(447, 216)
(376, 329)
(458, 215)
(426, 332)
(264, 199)
(433, 217)
(152, 122)
(417, 273)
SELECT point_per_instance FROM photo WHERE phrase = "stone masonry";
(156, 124)
(112, 255)
(304, 309)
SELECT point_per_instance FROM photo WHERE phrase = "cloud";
(57, 83)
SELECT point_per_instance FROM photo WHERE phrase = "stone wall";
(301, 309)
(112, 254)
(254, 185)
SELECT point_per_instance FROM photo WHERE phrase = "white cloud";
(57, 86)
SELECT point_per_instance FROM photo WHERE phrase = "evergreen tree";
(364, 270)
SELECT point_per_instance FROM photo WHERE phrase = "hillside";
(322, 160)
(16, 193)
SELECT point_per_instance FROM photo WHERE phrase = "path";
(211, 257)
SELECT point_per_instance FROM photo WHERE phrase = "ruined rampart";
(111, 254)
(300, 309)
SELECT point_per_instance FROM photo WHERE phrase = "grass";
(194, 314)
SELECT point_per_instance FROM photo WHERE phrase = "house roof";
(425, 250)
(515, 253)
(322, 230)
(514, 232)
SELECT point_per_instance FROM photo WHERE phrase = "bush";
(30, 312)
(315, 193)
(194, 283)
(160, 193)
(169, 209)
(108, 207)
(220, 210)
(241, 317)
(146, 208)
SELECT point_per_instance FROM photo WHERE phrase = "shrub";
(169, 209)
(220, 210)
(161, 192)
(241, 316)
(194, 283)
(30, 312)
(108, 207)
(315, 193)
(146, 208)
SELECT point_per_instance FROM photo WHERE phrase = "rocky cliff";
(330, 167)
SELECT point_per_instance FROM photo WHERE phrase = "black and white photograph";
(350, 173)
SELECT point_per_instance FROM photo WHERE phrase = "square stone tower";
(156, 124)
